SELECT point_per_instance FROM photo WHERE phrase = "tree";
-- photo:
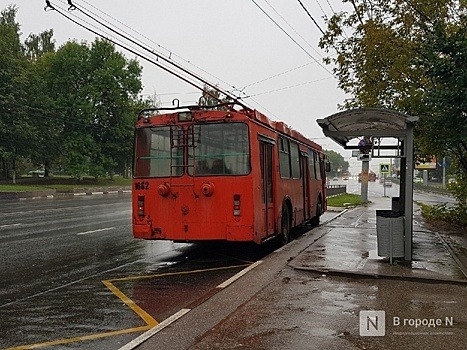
(393, 59)
(15, 130)
(94, 88)
(410, 56)
(114, 85)
(38, 45)
(338, 164)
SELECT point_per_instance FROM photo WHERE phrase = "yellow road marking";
(150, 321)
(82, 338)
(133, 278)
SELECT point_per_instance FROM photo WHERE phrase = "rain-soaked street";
(73, 276)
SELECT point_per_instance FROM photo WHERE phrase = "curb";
(50, 194)
(355, 274)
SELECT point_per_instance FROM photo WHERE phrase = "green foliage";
(410, 56)
(338, 163)
(441, 213)
(15, 129)
(72, 108)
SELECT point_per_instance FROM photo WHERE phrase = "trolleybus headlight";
(236, 205)
(164, 189)
(140, 205)
(184, 116)
(207, 188)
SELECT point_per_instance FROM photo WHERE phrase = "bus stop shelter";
(373, 126)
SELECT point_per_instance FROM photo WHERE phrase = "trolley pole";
(364, 185)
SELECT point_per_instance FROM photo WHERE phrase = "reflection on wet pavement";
(349, 246)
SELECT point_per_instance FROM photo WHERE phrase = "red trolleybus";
(234, 175)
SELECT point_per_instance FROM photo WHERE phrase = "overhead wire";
(277, 75)
(291, 27)
(183, 73)
(183, 70)
(289, 87)
(311, 17)
(291, 38)
(322, 10)
(170, 52)
(113, 41)
(158, 55)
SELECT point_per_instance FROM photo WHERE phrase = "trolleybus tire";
(285, 226)
(319, 208)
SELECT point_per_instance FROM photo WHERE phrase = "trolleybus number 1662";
(204, 174)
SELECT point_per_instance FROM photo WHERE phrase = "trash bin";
(390, 233)
(396, 204)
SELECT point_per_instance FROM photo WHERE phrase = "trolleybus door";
(267, 208)
(305, 186)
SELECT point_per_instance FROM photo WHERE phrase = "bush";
(441, 213)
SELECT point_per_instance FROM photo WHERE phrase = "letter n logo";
(372, 323)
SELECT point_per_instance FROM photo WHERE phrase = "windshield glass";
(221, 149)
(154, 156)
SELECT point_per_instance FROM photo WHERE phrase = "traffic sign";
(384, 168)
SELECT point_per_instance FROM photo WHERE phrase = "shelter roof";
(349, 124)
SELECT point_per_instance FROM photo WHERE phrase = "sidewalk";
(309, 294)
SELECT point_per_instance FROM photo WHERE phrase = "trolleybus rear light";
(140, 205)
(236, 204)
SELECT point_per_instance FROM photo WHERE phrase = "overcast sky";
(232, 43)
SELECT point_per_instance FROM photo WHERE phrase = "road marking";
(150, 321)
(94, 231)
(10, 225)
(152, 325)
(238, 275)
(148, 334)
(79, 339)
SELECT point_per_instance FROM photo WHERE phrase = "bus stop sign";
(384, 168)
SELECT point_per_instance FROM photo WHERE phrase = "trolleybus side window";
(289, 159)
(155, 157)
(221, 149)
(311, 157)
(284, 157)
(317, 166)
(295, 160)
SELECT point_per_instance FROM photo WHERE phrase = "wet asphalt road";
(73, 276)
(67, 266)
(375, 189)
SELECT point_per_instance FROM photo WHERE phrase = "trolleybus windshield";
(155, 156)
(221, 149)
(212, 149)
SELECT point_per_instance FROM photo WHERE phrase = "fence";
(336, 189)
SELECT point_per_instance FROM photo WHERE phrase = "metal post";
(384, 185)
(408, 213)
(364, 185)
(402, 186)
